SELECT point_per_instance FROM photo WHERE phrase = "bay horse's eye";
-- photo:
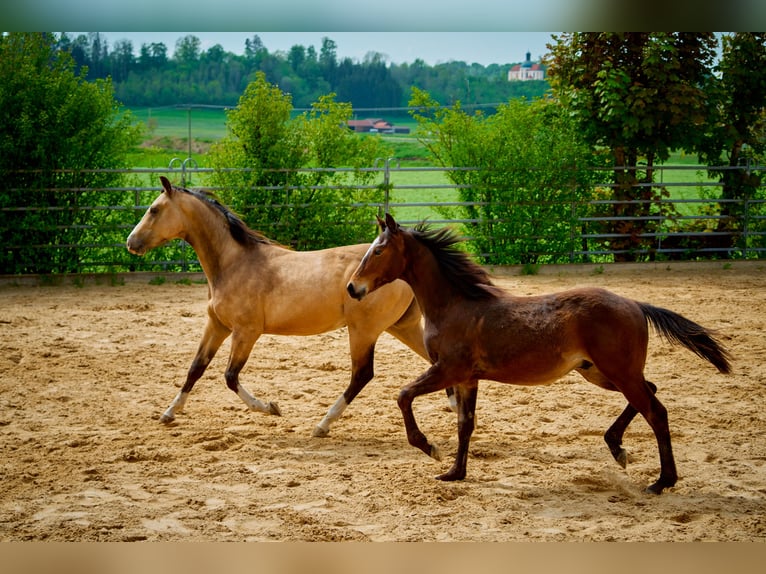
(377, 251)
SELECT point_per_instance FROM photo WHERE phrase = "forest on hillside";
(152, 75)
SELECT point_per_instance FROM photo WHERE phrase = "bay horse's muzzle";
(354, 292)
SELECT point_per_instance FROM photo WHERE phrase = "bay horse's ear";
(381, 223)
(392, 225)
(167, 186)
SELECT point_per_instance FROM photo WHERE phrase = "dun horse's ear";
(167, 186)
(392, 225)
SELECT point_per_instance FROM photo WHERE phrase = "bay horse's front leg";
(434, 379)
(212, 337)
(466, 404)
(240, 351)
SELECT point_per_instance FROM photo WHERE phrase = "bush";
(54, 127)
(531, 171)
(283, 156)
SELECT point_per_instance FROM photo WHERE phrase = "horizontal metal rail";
(673, 227)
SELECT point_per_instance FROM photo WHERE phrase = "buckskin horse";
(474, 330)
(257, 286)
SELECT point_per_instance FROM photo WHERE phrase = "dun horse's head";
(161, 222)
(383, 263)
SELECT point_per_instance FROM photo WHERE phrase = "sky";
(396, 47)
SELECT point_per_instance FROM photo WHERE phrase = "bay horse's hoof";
(435, 452)
(319, 432)
(452, 475)
(622, 458)
(655, 488)
(274, 409)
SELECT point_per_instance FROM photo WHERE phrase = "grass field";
(167, 132)
(207, 124)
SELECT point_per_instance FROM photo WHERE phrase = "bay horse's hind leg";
(614, 434)
(212, 337)
(240, 351)
(641, 398)
(657, 416)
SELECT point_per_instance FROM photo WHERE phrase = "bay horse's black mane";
(459, 269)
(239, 230)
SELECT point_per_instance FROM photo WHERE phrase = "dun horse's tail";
(680, 330)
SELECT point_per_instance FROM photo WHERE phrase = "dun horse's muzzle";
(135, 247)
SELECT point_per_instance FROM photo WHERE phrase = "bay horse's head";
(383, 263)
(162, 222)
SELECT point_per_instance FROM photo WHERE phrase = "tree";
(735, 133)
(187, 50)
(278, 194)
(639, 95)
(530, 170)
(122, 60)
(53, 125)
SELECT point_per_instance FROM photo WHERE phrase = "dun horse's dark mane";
(458, 267)
(239, 230)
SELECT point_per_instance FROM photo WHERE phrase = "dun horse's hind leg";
(362, 371)
(240, 351)
(213, 336)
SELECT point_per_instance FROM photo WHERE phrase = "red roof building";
(527, 71)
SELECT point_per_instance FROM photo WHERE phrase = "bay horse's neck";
(208, 233)
(423, 273)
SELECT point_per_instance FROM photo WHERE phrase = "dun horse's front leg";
(213, 336)
(240, 351)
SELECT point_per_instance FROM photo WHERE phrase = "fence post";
(386, 182)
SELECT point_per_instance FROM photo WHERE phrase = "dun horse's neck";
(212, 241)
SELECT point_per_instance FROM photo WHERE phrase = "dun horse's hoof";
(274, 409)
(166, 418)
(319, 432)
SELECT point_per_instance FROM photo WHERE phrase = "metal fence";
(691, 224)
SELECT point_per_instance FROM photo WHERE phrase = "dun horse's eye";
(154, 210)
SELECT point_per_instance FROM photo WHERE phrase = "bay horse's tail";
(682, 331)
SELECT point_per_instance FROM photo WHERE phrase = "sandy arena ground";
(85, 373)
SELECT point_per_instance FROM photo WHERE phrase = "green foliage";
(736, 133)
(639, 95)
(531, 170)
(54, 126)
(279, 194)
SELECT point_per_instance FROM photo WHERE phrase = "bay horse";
(257, 286)
(475, 330)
